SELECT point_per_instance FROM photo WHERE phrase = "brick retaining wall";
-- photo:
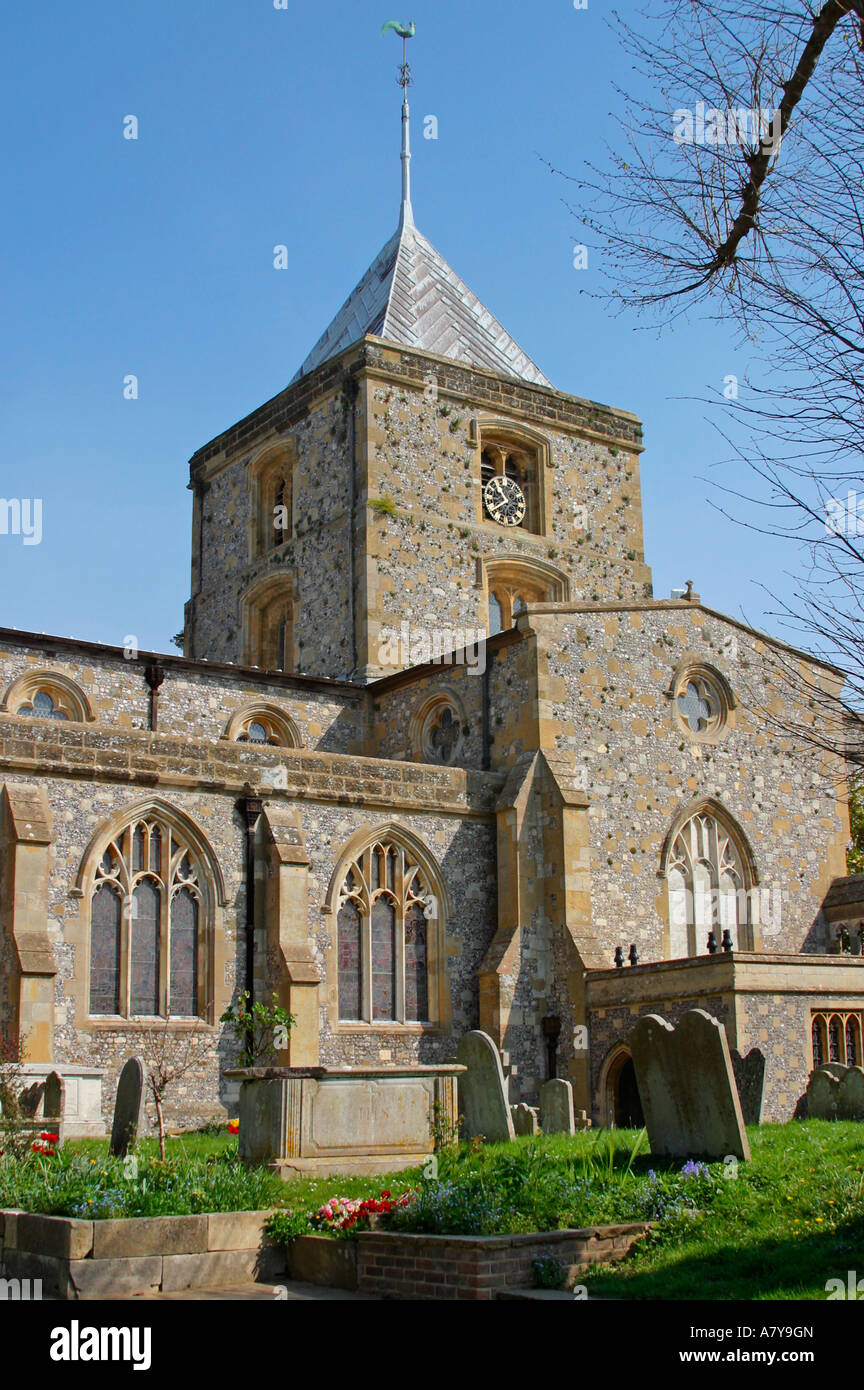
(391, 1265)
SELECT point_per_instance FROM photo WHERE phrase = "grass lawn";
(776, 1228)
(791, 1220)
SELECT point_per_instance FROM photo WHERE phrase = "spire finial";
(405, 32)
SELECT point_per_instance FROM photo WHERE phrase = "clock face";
(504, 501)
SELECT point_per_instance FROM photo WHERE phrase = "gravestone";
(556, 1107)
(128, 1106)
(822, 1097)
(525, 1119)
(750, 1080)
(836, 1092)
(851, 1096)
(54, 1103)
(687, 1087)
(30, 1098)
(482, 1092)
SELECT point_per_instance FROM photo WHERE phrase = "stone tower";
(354, 523)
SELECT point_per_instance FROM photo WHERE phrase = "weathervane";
(405, 32)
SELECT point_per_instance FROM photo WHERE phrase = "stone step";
(534, 1295)
(292, 1292)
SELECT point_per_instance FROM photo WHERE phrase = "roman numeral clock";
(504, 501)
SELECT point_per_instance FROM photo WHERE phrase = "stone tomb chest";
(300, 1120)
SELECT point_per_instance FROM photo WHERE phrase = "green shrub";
(547, 1273)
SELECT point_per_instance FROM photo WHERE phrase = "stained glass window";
(265, 728)
(144, 951)
(416, 970)
(383, 958)
(707, 887)
(853, 1045)
(146, 910)
(385, 907)
(349, 961)
(836, 1038)
(42, 706)
(184, 954)
(105, 919)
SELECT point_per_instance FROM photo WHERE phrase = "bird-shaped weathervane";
(405, 32)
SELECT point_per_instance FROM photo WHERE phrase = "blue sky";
(154, 257)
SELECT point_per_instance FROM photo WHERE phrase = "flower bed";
(389, 1265)
(73, 1183)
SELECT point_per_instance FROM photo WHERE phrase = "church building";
(435, 756)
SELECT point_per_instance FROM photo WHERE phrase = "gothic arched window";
(836, 1037)
(514, 582)
(271, 477)
(707, 885)
(386, 908)
(269, 624)
(147, 928)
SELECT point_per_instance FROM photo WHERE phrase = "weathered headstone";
(851, 1096)
(822, 1094)
(30, 1099)
(54, 1103)
(556, 1107)
(687, 1087)
(836, 1092)
(55, 1092)
(127, 1107)
(525, 1119)
(482, 1093)
(750, 1080)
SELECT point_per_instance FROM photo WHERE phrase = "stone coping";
(318, 1073)
(510, 1242)
(71, 1238)
(760, 959)
(62, 1069)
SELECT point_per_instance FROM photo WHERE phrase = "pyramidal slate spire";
(410, 295)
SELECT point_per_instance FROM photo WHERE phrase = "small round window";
(442, 735)
(700, 705)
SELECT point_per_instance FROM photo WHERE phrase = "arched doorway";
(623, 1102)
(628, 1102)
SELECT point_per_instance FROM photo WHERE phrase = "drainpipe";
(154, 676)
